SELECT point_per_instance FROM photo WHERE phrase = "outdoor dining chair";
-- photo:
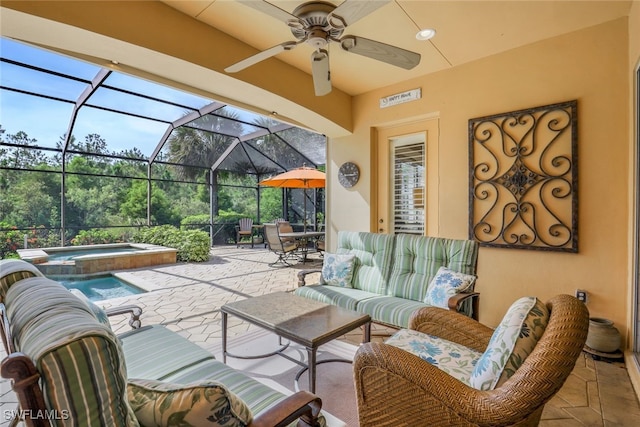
(285, 249)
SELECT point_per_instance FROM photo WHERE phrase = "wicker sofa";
(69, 368)
(392, 275)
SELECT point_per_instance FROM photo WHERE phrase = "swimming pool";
(102, 287)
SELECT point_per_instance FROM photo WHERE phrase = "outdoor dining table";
(303, 237)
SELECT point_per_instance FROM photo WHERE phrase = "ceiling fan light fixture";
(425, 34)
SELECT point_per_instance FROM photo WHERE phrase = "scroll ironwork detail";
(523, 179)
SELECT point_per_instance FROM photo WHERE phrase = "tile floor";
(597, 393)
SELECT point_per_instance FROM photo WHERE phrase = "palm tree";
(199, 144)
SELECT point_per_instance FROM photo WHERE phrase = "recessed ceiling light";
(426, 34)
(114, 62)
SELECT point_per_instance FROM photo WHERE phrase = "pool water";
(102, 287)
(69, 255)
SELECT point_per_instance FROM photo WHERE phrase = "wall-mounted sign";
(400, 98)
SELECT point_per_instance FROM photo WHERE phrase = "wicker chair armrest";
(302, 275)
(133, 310)
(392, 384)
(302, 406)
(451, 326)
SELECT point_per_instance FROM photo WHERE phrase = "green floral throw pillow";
(512, 341)
(207, 403)
(446, 284)
(337, 270)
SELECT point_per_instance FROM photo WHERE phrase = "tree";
(23, 155)
(270, 203)
(199, 149)
(135, 205)
(27, 198)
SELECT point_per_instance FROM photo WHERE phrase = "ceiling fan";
(318, 23)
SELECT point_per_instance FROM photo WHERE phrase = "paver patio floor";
(190, 295)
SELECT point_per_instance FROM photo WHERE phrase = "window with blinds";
(408, 196)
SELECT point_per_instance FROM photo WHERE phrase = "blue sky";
(47, 120)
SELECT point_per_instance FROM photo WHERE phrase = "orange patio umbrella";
(303, 177)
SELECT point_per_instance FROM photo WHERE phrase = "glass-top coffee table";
(297, 319)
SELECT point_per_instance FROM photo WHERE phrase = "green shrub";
(39, 237)
(10, 242)
(195, 222)
(192, 245)
(94, 237)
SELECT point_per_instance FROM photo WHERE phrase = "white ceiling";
(466, 31)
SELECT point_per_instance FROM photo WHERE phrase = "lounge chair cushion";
(446, 284)
(68, 351)
(97, 311)
(14, 270)
(450, 357)
(178, 366)
(512, 341)
(337, 270)
(210, 403)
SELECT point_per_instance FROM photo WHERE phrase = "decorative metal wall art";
(523, 179)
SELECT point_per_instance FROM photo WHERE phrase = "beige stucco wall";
(590, 66)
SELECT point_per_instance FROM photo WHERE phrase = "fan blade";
(380, 51)
(274, 11)
(265, 54)
(351, 11)
(320, 71)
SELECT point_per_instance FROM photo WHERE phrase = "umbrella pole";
(304, 219)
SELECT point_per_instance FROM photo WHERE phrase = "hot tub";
(90, 259)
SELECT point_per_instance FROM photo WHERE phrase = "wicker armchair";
(397, 388)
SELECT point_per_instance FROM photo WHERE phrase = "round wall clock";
(348, 174)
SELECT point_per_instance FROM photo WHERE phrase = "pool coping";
(107, 260)
(40, 256)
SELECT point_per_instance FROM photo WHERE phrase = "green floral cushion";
(337, 270)
(512, 341)
(207, 403)
(450, 357)
(446, 284)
